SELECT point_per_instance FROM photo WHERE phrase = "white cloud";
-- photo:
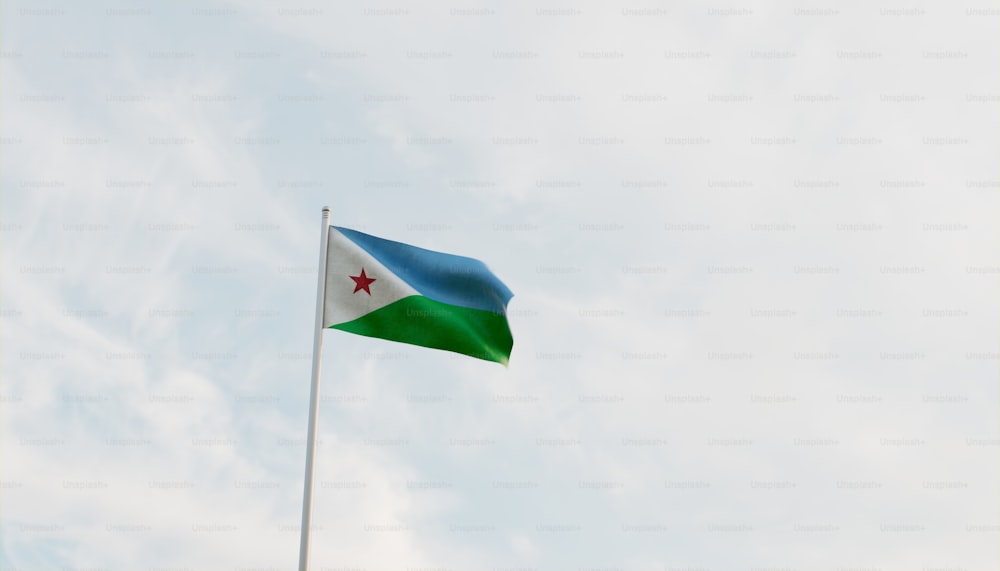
(753, 257)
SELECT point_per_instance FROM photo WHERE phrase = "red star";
(362, 282)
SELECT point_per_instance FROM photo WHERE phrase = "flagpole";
(314, 396)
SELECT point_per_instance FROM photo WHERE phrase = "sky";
(753, 249)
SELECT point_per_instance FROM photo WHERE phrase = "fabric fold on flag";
(390, 290)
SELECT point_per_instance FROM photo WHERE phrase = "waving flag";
(390, 290)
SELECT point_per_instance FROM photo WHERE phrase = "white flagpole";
(314, 396)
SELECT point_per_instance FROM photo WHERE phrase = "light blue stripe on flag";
(447, 278)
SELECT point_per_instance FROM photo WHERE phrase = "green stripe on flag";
(419, 320)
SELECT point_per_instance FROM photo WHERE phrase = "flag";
(390, 290)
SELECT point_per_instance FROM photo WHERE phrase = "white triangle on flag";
(345, 259)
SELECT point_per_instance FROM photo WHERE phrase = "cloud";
(754, 286)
